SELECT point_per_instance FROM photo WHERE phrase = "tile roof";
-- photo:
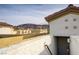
(70, 9)
(4, 24)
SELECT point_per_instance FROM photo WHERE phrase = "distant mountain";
(34, 26)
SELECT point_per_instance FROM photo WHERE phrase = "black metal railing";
(46, 46)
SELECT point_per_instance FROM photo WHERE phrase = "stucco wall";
(31, 46)
(57, 27)
(27, 31)
(74, 45)
(7, 30)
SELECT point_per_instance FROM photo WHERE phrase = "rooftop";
(70, 9)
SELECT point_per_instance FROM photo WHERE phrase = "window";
(75, 27)
(66, 20)
(66, 27)
(74, 19)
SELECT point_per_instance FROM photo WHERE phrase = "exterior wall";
(35, 31)
(57, 27)
(29, 31)
(31, 46)
(32, 31)
(43, 30)
(7, 30)
(74, 45)
(24, 31)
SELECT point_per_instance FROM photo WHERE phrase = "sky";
(17, 14)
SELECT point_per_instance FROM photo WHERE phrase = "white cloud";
(24, 19)
(27, 15)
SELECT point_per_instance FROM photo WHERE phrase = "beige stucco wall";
(24, 31)
(7, 30)
(43, 30)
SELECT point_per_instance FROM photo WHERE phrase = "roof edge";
(70, 9)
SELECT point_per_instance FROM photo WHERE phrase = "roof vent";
(71, 6)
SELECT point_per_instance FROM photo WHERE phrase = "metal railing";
(46, 46)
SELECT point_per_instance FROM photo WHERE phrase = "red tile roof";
(3, 24)
(70, 9)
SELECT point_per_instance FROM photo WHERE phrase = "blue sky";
(27, 13)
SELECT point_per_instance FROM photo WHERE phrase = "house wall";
(24, 31)
(57, 27)
(43, 30)
(7, 30)
(74, 45)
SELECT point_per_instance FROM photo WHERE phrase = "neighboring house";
(24, 31)
(63, 25)
(43, 30)
(32, 29)
(6, 28)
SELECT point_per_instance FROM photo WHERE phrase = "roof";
(70, 9)
(4, 24)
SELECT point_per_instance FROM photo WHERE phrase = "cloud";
(24, 19)
(18, 14)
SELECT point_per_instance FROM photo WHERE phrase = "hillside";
(34, 26)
